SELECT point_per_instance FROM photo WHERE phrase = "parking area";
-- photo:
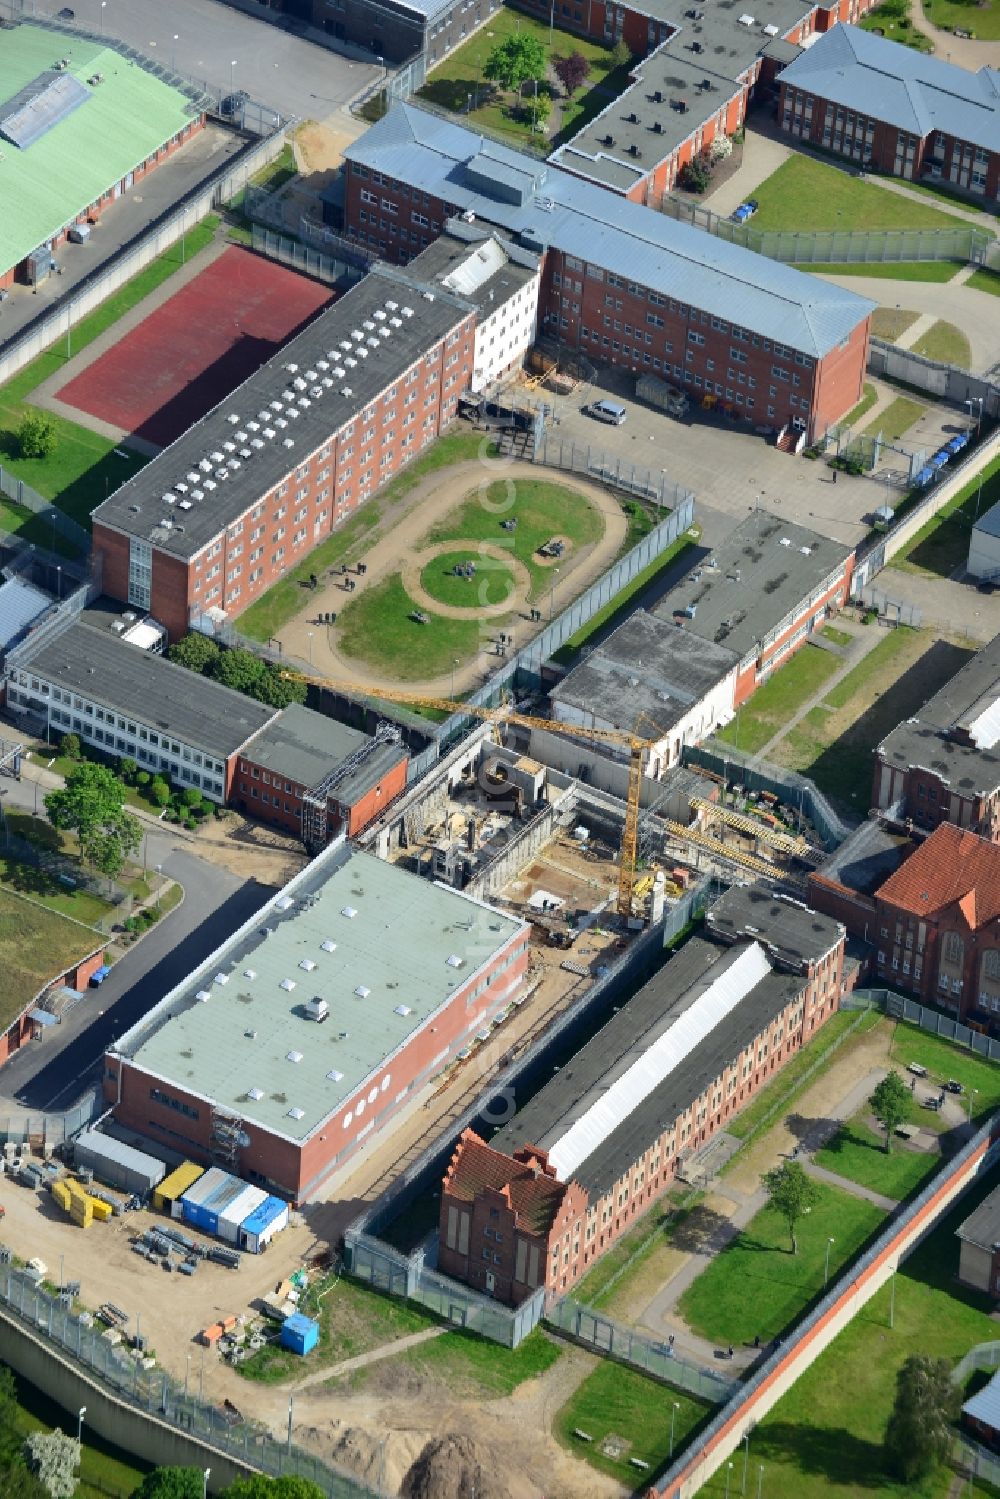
(730, 468)
(120, 222)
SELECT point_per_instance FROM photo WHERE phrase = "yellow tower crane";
(503, 713)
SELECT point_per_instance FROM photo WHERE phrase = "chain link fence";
(789, 786)
(606, 468)
(902, 1007)
(155, 1392)
(610, 1339)
(44, 1131)
(288, 251)
(29, 499)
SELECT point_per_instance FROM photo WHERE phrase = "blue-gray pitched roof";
(920, 94)
(546, 206)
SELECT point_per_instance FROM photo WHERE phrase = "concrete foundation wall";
(142, 1435)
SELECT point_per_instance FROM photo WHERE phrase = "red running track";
(197, 347)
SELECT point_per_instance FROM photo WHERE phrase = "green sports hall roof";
(123, 121)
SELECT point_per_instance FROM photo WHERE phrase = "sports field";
(196, 347)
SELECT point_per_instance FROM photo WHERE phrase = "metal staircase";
(316, 799)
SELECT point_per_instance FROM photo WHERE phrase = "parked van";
(607, 411)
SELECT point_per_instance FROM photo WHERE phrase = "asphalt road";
(222, 46)
(53, 1073)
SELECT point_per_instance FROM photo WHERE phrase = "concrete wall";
(142, 1435)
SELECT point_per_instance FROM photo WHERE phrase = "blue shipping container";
(260, 1226)
(299, 1334)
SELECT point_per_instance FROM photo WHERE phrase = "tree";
(191, 796)
(69, 745)
(537, 110)
(890, 1103)
(241, 670)
(171, 1483)
(791, 1193)
(17, 1483)
(127, 769)
(919, 1434)
(159, 791)
(53, 1457)
(92, 805)
(720, 149)
(259, 1486)
(621, 55)
(36, 435)
(572, 71)
(695, 175)
(278, 691)
(513, 61)
(197, 652)
(10, 1436)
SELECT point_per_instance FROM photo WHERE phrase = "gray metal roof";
(451, 260)
(386, 949)
(793, 935)
(866, 859)
(32, 112)
(764, 571)
(303, 746)
(989, 523)
(278, 417)
(908, 89)
(939, 738)
(982, 1227)
(967, 770)
(146, 688)
(984, 1406)
(21, 604)
(647, 666)
(658, 1005)
(969, 692)
(546, 206)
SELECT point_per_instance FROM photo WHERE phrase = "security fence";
(154, 1391)
(29, 499)
(288, 251)
(976, 1463)
(789, 786)
(603, 1335)
(942, 382)
(982, 1356)
(43, 1131)
(834, 246)
(902, 1007)
(608, 468)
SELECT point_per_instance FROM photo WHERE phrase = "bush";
(127, 769)
(171, 815)
(143, 778)
(36, 435)
(159, 791)
(190, 823)
(191, 797)
(621, 55)
(69, 745)
(695, 175)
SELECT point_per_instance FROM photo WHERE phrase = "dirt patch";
(236, 844)
(454, 1467)
(541, 560)
(319, 146)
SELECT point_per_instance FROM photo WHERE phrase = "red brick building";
(895, 110)
(591, 1152)
(944, 764)
(938, 925)
(315, 778)
(248, 491)
(630, 287)
(316, 1022)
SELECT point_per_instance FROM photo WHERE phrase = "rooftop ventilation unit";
(300, 384)
(310, 374)
(338, 373)
(293, 411)
(241, 437)
(203, 996)
(368, 325)
(192, 476)
(657, 128)
(322, 364)
(206, 463)
(304, 402)
(257, 442)
(349, 911)
(407, 311)
(197, 494)
(279, 421)
(634, 151)
(454, 961)
(397, 322)
(293, 1056)
(772, 30)
(186, 505)
(296, 1113)
(347, 391)
(334, 1076)
(217, 457)
(428, 296)
(269, 433)
(392, 306)
(327, 383)
(211, 484)
(362, 353)
(747, 20)
(288, 985)
(253, 426)
(275, 405)
(246, 452)
(352, 364)
(233, 419)
(307, 965)
(249, 973)
(292, 369)
(328, 945)
(316, 391)
(288, 442)
(169, 499)
(256, 1094)
(403, 1010)
(379, 315)
(362, 991)
(181, 487)
(784, 542)
(230, 447)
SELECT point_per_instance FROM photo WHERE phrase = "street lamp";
(310, 647)
(232, 75)
(104, 6)
(552, 593)
(204, 1480)
(972, 1094)
(892, 1299)
(187, 1375)
(454, 663)
(746, 1459)
(159, 871)
(729, 1474)
(826, 1270)
(79, 1424)
(173, 53)
(974, 401)
(760, 1478)
(673, 1421)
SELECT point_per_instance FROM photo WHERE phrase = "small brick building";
(979, 1256)
(605, 1137)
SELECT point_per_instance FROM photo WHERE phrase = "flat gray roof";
(482, 267)
(279, 416)
(939, 737)
(656, 1007)
(371, 939)
(966, 769)
(982, 1227)
(866, 859)
(147, 688)
(21, 604)
(908, 89)
(793, 935)
(969, 694)
(645, 666)
(989, 523)
(763, 572)
(304, 746)
(543, 205)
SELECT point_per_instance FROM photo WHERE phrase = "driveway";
(977, 313)
(762, 156)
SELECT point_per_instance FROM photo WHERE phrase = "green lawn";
(264, 619)
(459, 79)
(609, 1273)
(987, 281)
(621, 605)
(24, 523)
(805, 194)
(891, 323)
(895, 419)
(835, 740)
(85, 467)
(902, 270)
(983, 21)
(474, 1368)
(859, 1154)
(492, 583)
(756, 1286)
(781, 695)
(35, 945)
(776, 1098)
(45, 888)
(835, 636)
(945, 343)
(866, 403)
(942, 543)
(944, 1060)
(898, 28)
(823, 1440)
(377, 627)
(617, 1402)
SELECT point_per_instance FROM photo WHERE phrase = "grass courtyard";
(858, 1153)
(834, 741)
(805, 194)
(892, 270)
(377, 627)
(983, 20)
(755, 1286)
(896, 419)
(626, 1414)
(458, 79)
(781, 695)
(945, 343)
(823, 1440)
(942, 543)
(36, 945)
(492, 583)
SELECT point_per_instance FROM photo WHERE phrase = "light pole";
(159, 871)
(760, 1478)
(310, 647)
(79, 1424)
(61, 1259)
(173, 53)
(552, 593)
(232, 77)
(673, 1422)
(892, 1299)
(746, 1459)
(206, 1474)
(972, 1094)
(104, 6)
(454, 663)
(58, 583)
(975, 401)
(729, 1474)
(187, 1375)
(826, 1269)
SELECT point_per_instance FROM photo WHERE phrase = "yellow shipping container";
(102, 1210)
(176, 1184)
(61, 1195)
